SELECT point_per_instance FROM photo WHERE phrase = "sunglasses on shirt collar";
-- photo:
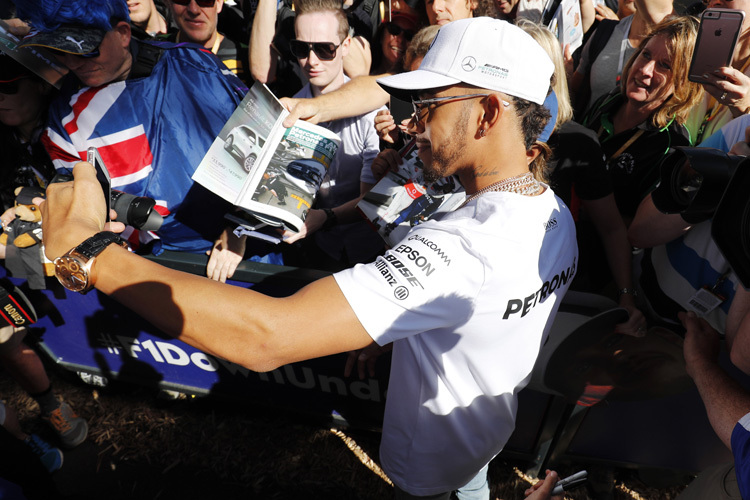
(395, 30)
(201, 3)
(325, 51)
(11, 87)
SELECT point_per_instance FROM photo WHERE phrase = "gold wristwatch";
(73, 270)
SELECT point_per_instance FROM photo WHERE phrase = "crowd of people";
(558, 153)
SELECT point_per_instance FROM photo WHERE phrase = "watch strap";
(331, 218)
(96, 244)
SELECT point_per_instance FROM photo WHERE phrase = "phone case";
(400, 110)
(717, 37)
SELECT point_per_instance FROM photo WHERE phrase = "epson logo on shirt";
(419, 260)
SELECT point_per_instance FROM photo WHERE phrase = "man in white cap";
(467, 300)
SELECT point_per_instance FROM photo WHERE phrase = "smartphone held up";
(717, 37)
(102, 175)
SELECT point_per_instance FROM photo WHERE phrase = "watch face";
(71, 273)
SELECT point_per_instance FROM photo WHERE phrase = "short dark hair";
(534, 118)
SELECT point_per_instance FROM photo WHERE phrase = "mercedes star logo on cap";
(469, 63)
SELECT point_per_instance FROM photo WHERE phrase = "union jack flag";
(152, 133)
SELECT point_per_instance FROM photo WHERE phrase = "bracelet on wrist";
(627, 291)
(331, 219)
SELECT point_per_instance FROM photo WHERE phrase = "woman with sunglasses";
(391, 40)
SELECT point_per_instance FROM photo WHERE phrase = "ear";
(532, 153)
(472, 5)
(123, 32)
(493, 110)
(219, 5)
(345, 46)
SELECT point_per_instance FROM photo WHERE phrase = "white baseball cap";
(484, 52)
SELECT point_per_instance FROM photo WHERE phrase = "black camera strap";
(15, 308)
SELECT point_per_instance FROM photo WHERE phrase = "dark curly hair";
(534, 118)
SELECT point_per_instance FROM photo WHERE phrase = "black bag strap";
(599, 39)
(147, 57)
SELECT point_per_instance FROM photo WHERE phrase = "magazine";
(248, 225)
(566, 23)
(260, 166)
(37, 59)
(401, 200)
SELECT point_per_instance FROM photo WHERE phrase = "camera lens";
(136, 211)
(687, 182)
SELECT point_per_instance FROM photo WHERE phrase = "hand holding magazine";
(37, 59)
(268, 170)
(401, 200)
(563, 18)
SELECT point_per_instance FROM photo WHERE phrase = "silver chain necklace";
(524, 184)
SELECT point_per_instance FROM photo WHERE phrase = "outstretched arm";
(261, 52)
(233, 323)
(725, 400)
(738, 330)
(359, 58)
(654, 11)
(651, 228)
(614, 235)
(360, 95)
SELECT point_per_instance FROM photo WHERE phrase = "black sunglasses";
(395, 30)
(11, 87)
(201, 3)
(325, 51)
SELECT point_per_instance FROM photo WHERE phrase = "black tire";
(249, 162)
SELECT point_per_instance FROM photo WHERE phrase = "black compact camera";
(705, 183)
(136, 211)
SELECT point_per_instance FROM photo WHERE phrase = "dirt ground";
(141, 446)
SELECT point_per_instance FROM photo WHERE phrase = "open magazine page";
(37, 59)
(567, 24)
(290, 182)
(401, 200)
(235, 159)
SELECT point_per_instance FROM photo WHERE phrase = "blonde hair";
(419, 44)
(680, 33)
(334, 6)
(558, 82)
